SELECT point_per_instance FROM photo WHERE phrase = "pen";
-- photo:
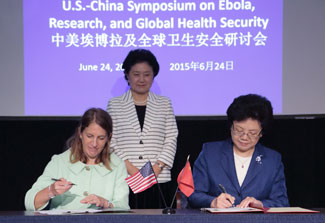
(59, 180)
(224, 191)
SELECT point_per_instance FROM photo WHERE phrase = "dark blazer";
(215, 165)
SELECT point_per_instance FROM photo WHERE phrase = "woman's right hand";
(60, 187)
(57, 188)
(223, 201)
(130, 168)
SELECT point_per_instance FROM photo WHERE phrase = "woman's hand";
(250, 202)
(97, 200)
(130, 168)
(57, 188)
(222, 201)
(60, 187)
(158, 169)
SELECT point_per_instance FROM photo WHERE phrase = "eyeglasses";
(251, 135)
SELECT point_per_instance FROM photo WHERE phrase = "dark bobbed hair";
(104, 120)
(140, 56)
(251, 106)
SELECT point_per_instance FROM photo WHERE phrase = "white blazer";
(156, 141)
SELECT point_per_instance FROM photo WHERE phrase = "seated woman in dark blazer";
(240, 171)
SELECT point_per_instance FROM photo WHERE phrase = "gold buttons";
(85, 193)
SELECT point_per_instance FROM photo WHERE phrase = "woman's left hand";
(156, 169)
(250, 202)
(97, 200)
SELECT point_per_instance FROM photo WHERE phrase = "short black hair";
(140, 56)
(251, 106)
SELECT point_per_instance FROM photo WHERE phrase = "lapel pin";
(259, 159)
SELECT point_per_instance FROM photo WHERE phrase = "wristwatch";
(51, 195)
(109, 204)
(160, 165)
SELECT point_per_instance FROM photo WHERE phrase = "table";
(156, 216)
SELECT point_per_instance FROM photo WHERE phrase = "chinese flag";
(185, 180)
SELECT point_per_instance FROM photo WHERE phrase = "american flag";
(143, 179)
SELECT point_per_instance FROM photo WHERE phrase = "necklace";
(140, 102)
(242, 160)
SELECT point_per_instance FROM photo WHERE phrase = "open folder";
(284, 210)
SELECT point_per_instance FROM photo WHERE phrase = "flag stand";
(166, 210)
(170, 210)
